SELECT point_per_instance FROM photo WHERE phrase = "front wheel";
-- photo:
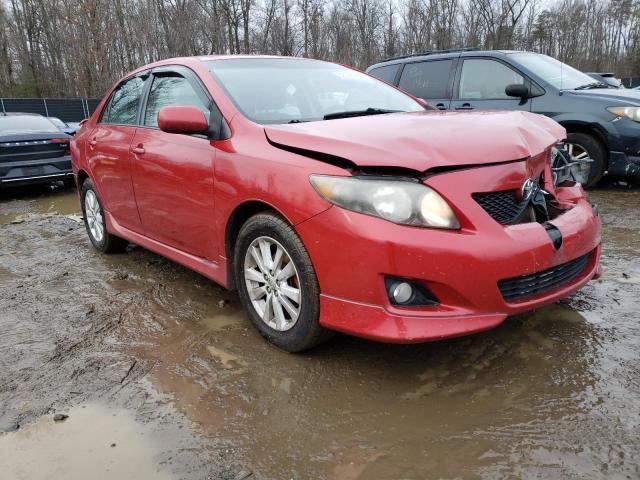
(94, 221)
(277, 283)
(582, 146)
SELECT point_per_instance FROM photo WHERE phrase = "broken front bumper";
(353, 253)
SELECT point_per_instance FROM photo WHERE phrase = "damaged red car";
(332, 201)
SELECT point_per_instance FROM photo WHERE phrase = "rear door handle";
(139, 150)
(465, 106)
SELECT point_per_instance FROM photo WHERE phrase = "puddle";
(554, 393)
(17, 203)
(95, 442)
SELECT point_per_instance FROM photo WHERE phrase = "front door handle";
(440, 106)
(465, 106)
(139, 150)
(93, 142)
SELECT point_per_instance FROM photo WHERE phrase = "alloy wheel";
(273, 283)
(93, 215)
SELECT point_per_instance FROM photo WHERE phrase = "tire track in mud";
(67, 319)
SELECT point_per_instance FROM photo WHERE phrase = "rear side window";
(484, 79)
(427, 80)
(123, 104)
(386, 73)
(171, 90)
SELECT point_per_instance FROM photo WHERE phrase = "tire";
(277, 324)
(595, 150)
(92, 208)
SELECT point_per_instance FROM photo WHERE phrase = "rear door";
(431, 80)
(107, 152)
(173, 173)
(481, 83)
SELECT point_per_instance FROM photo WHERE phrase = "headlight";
(397, 201)
(630, 112)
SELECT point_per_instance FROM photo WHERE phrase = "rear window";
(386, 73)
(17, 124)
(427, 80)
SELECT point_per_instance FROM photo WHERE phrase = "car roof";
(16, 114)
(607, 75)
(187, 61)
(206, 58)
(437, 54)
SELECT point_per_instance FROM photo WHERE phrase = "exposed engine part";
(562, 165)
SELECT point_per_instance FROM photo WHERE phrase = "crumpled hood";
(424, 140)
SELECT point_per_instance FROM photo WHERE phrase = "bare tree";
(79, 47)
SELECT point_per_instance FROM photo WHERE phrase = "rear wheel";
(94, 221)
(582, 146)
(277, 283)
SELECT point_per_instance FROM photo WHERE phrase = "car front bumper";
(624, 157)
(36, 171)
(352, 254)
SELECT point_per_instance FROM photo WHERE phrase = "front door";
(107, 152)
(173, 173)
(481, 85)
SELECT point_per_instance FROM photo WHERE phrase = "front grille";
(31, 150)
(503, 206)
(519, 288)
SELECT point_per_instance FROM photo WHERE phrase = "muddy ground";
(162, 376)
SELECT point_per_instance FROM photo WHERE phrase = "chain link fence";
(66, 109)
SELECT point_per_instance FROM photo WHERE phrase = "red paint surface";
(174, 194)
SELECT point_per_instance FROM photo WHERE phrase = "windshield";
(16, 124)
(287, 90)
(558, 74)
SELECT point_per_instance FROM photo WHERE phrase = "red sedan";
(332, 201)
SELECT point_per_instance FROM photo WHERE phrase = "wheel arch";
(81, 177)
(236, 220)
(587, 128)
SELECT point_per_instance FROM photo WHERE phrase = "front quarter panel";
(249, 169)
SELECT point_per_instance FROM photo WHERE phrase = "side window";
(483, 79)
(171, 90)
(428, 80)
(386, 73)
(122, 108)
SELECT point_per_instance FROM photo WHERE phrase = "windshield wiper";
(358, 113)
(589, 86)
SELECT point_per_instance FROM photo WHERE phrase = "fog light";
(402, 292)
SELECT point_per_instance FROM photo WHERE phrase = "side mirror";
(517, 90)
(182, 120)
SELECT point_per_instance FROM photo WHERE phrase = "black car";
(603, 124)
(32, 150)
